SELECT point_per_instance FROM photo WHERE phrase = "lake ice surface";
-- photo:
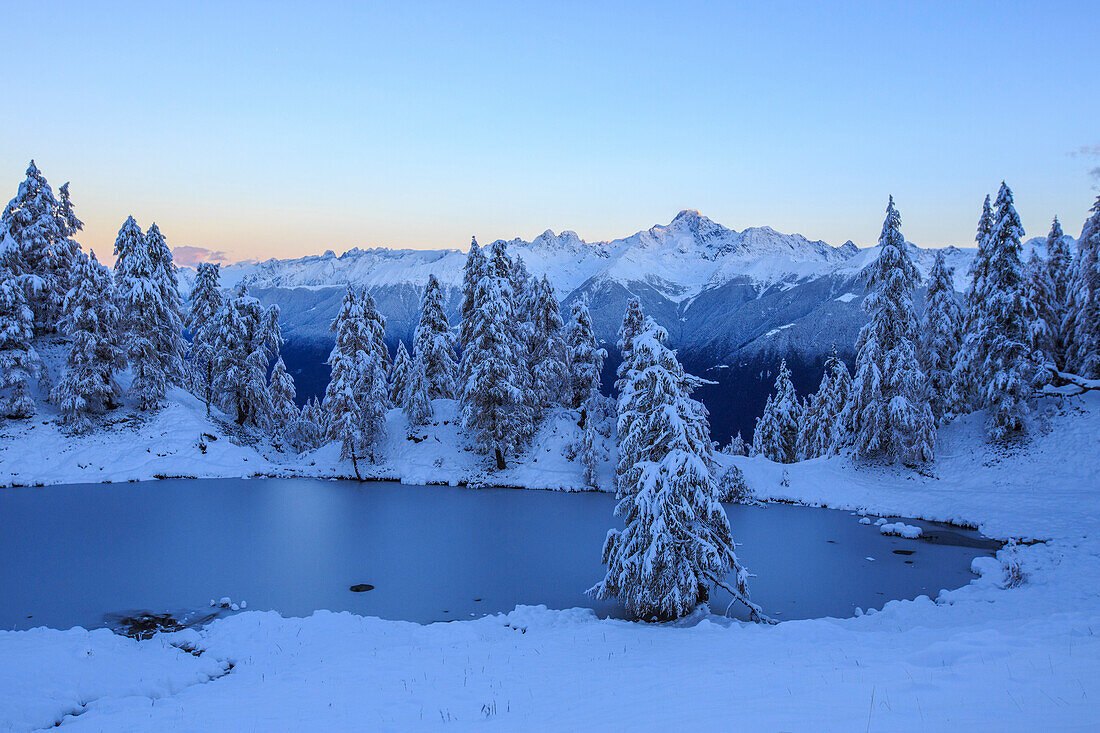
(71, 555)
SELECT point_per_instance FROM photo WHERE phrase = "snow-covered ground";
(1016, 649)
(181, 441)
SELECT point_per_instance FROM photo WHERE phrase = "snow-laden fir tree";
(375, 402)
(31, 221)
(597, 411)
(811, 421)
(633, 320)
(779, 438)
(418, 400)
(90, 320)
(343, 402)
(310, 428)
(964, 394)
(888, 408)
(545, 346)
(399, 375)
(284, 412)
(1001, 336)
(472, 272)
(19, 361)
(941, 337)
(434, 344)
(676, 540)
(63, 261)
(166, 275)
(1041, 312)
(1082, 320)
(736, 446)
(494, 411)
(147, 320)
(764, 430)
(206, 302)
(834, 430)
(246, 339)
(585, 355)
(1059, 268)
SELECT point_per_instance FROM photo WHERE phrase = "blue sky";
(265, 129)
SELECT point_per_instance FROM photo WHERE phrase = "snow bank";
(901, 529)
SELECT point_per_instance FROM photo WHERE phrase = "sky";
(254, 130)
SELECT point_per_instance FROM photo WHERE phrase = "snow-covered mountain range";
(719, 291)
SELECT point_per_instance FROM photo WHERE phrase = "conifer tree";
(585, 356)
(434, 344)
(1001, 334)
(472, 272)
(1082, 320)
(376, 327)
(964, 395)
(343, 396)
(736, 446)
(811, 423)
(779, 439)
(545, 348)
(941, 337)
(765, 430)
(399, 375)
(310, 429)
(494, 408)
(172, 347)
(1041, 311)
(246, 339)
(633, 320)
(835, 431)
(888, 408)
(19, 361)
(31, 220)
(206, 303)
(418, 401)
(1059, 264)
(284, 412)
(95, 352)
(142, 316)
(591, 449)
(676, 540)
(374, 402)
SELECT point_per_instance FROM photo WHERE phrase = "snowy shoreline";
(1015, 648)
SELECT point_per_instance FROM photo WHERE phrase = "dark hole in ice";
(903, 552)
(361, 587)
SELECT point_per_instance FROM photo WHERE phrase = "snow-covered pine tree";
(281, 393)
(63, 260)
(95, 353)
(1059, 266)
(764, 430)
(965, 393)
(736, 446)
(835, 430)
(545, 347)
(811, 422)
(1005, 369)
(779, 439)
(1082, 320)
(585, 356)
(888, 409)
(19, 361)
(399, 375)
(246, 339)
(591, 448)
(676, 540)
(172, 346)
(434, 343)
(376, 326)
(142, 315)
(310, 428)
(206, 302)
(472, 272)
(1041, 311)
(941, 337)
(494, 410)
(633, 320)
(343, 397)
(418, 400)
(31, 220)
(375, 402)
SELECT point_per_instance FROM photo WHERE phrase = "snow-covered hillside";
(1016, 649)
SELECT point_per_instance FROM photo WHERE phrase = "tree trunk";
(500, 460)
(355, 465)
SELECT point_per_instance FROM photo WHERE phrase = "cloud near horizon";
(189, 256)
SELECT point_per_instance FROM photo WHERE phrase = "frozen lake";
(70, 555)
